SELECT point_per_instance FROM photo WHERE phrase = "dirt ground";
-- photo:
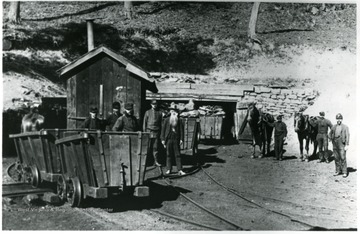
(305, 191)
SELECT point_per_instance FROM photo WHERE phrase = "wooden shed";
(100, 77)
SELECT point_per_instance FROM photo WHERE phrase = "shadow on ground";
(158, 194)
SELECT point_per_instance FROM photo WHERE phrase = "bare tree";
(129, 9)
(14, 12)
(252, 23)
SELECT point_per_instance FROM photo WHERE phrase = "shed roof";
(130, 66)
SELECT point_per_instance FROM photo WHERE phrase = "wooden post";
(90, 34)
(101, 102)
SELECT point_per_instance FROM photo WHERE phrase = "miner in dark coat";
(323, 125)
(111, 119)
(93, 122)
(280, 134)
(127, 122)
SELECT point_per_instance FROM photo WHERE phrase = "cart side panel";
(77, 161)
(190, 131)
(218, 127)
(210, 127)
(143, 157)
(23, 156)
(39, 155)
(139, 146)
(54, 165)
(115, 168)
(28, 152)
(202, 127)
(120, 160)
(94, 155)
(135, 151)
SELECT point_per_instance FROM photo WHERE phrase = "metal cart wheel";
(32, 176)
(61, 188)
(74, 192)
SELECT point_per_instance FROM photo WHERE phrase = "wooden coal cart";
(100, 164)
(191, 135)
(211, 127)
(38, 159)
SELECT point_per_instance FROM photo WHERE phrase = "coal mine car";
(191, 135)
(100, 164)
(38, 159)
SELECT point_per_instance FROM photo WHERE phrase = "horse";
(266, 131)
(32, 121)
(260, 130)
(304, 126)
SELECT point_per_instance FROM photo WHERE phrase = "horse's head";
(300, 121)
(267, 117)
(253, 114)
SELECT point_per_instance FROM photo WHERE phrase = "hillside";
(177, 37)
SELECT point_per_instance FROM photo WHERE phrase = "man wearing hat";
(127, 122)
(172, 134)
(152, 124)
(92, 122)
(339, 135)
(322, 126)
(111, 119)
(280, 134)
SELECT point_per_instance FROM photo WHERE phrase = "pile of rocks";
(279, 101)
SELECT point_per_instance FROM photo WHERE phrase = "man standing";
(322, 125)
(171, 137)
(127, 122)
(92, 122)
(339, 135)
(280, 135)
(152, 124)
(111, 119)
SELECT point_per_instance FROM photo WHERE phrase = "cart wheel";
(32, 176)
(16, 172)
(74, 192)
(61, 188)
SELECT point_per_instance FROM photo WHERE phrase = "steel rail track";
(185, 220)
(232, 191)
(205, 209)
(21, 189)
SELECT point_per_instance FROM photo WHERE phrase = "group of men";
(339, 136)
(163, 128)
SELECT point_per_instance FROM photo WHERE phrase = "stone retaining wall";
(278, 100)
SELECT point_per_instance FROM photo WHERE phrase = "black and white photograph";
(179, 116)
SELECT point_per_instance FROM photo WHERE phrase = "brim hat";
(322, 113)
(153, 102)
(129, 106)
(116, 105)
(173, 108)
(94, 110)
(279, 117)
(339, 116)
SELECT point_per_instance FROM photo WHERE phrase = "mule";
(266, 132)
(260, 131)
(32, 121)
(304, 126)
